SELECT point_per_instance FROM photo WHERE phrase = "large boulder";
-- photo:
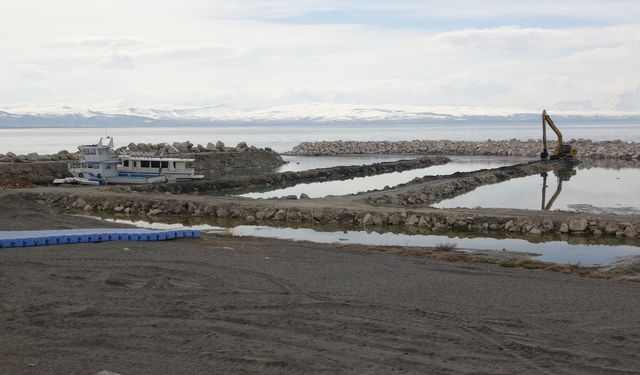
(170, 149)
(242, 146)
(220, 145)
(578, 225)
(32, 156)
(210, 147)
(183, 146)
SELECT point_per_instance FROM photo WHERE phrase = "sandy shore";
(242, 305)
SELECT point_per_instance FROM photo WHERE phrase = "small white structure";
(99, 165)
(174, 169)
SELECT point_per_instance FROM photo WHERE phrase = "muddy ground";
(245, 305)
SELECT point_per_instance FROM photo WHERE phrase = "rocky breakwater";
(63, 155)
(22, 170)
(585, 148)
(322, 212)
(432, 189)
(270, 181)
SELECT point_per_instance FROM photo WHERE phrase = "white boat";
(99, 164)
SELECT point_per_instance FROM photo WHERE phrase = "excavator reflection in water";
(563, 174)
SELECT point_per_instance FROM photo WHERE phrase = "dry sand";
(244, 305)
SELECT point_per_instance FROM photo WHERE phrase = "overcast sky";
(563, 54)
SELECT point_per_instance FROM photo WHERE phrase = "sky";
(580, 55)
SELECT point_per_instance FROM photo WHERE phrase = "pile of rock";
(63, 155)
(183, 148)
(586, 148)
(429, 189)
(434, 220)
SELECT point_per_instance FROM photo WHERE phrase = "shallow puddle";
(552, 251)
(361, 184)
(596, 190)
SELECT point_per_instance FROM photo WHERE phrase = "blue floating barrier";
(70, 236)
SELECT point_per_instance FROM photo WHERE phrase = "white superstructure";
(99, 164)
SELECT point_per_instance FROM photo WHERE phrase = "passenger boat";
(99, 164)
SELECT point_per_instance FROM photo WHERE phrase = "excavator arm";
(562, 150)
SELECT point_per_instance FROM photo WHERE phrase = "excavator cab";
(562, 150)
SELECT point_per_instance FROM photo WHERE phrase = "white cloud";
(119, 61)
(100, 42)
(196, 52)
(242, 53)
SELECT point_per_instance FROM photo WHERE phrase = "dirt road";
(242, 306)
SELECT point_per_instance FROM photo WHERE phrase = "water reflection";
(361, 184)
(557, 251)
(593, 189)
(561, 175)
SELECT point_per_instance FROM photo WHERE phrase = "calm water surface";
(553, 251)
(359, 184)
(589, 190)
(283, 137)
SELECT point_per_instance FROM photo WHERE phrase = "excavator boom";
(562, 150)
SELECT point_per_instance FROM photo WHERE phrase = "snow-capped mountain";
(17, 116)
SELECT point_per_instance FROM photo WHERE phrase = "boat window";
(174, 165)
(144, 163)
(108, 166)
(125, 163)
(135, 164)
(155, 164)
(90, 165)
(165, 164)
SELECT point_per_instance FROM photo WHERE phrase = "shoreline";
(272, 306)
(614, 149)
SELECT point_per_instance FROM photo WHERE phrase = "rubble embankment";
(341, 212)
(585, 148)
(38, 173)
(432, 189)
(281, 180)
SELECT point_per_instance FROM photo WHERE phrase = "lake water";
(587, 189)
(283, 137)
(551, 251)
(359, 184)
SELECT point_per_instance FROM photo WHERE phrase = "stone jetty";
(586, 148)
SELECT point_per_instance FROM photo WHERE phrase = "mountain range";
(321, 113)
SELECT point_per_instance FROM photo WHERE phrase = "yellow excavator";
(562, 150)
